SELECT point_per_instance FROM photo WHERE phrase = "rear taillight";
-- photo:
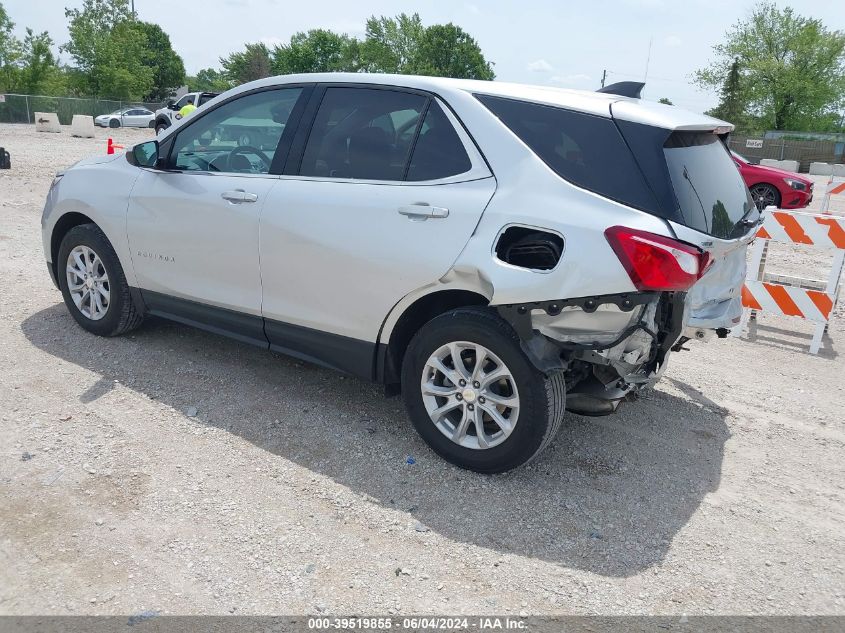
(655, 262)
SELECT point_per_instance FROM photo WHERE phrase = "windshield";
(709, 189)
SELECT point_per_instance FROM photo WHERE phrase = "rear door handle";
(423, 211)
(239, 195)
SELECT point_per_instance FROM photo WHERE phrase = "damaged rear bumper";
(609, 345)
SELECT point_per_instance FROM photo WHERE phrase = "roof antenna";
(648, 59)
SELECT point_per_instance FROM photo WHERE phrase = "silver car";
(498, 253)
(127, 117)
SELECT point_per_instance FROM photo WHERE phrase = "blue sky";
(561, 43)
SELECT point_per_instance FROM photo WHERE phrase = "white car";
(497, 252)
(127, 117)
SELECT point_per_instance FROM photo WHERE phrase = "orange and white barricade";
(794, 296)
(831, 189)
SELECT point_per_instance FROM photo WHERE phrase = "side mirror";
(171, 104)
(144, 154)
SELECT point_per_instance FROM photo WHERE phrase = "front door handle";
(239, 195)
(423, 211)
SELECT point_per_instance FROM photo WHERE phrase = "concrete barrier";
(789, 165)
(82, 126)
(770, 162)
(839, 170)
(821, 169)
(47, 122)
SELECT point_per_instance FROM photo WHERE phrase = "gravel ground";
(176, 471)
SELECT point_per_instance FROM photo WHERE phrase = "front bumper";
(796, 198)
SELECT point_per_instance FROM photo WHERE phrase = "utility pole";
(603, 76)
(133, 9)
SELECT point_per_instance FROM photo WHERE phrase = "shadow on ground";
(608, 496)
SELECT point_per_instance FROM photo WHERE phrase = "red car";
(771, 186)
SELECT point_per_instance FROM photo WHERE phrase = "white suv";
(497, 252)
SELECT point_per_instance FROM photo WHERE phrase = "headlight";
(795, 184)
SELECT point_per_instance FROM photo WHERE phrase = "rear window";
(585, 149)
(708, 187)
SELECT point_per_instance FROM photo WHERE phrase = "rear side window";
(362, 133)
(439, 152)
(585, 149)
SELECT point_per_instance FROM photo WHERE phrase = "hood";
(97, 160)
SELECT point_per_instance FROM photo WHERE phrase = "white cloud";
(540, 66)
(578, 78)
(673, 41)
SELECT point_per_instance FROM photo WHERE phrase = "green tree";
(391, 45)
(248, 65)
(10, 52)
(731, 106)
(317, 51)
(446, 50)
(664, 101)
(208, 80)
(791, 68)
(39, 69)
(109, 49)
(168, 68)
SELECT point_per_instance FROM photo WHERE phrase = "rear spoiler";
(631, 89)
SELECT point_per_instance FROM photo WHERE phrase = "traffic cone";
(112, 146)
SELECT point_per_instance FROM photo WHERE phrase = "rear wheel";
(765, 195)
(474, 396)
(93, 284)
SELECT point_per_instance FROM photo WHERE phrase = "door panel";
(337, 256)
(190, 241)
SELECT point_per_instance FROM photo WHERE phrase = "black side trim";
(343, 353)
(247, 328)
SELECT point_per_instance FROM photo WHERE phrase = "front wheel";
(160, 127)
(474, 396)
(765, 195)
(93, 284)
(114, 123)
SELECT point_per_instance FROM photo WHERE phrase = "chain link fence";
(15, 108)
(756, 148)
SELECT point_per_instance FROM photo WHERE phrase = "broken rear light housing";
(654, 262)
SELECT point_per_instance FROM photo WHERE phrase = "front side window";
(362, 133)
(182, 102)
(240, 136)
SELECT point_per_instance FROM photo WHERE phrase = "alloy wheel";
(764, 196)
(88, 282)
(470, 395)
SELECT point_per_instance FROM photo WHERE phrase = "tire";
(120, 315)
(114, 123)
(540, 401)
(765, 194)
(152, 124)
(160, 127)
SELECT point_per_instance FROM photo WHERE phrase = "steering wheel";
(248, 149)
